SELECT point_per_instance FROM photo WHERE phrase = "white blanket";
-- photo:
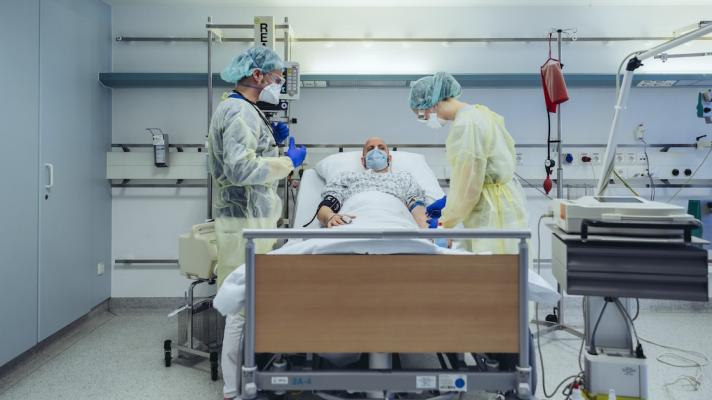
(372, 210)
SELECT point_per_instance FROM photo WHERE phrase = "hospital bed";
(383, 304)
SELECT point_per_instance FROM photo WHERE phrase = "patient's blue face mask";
(377, 160)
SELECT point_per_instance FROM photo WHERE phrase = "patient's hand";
(339, 219)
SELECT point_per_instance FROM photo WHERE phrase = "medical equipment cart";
(200, 326)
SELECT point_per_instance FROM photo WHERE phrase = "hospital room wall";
(349, 115)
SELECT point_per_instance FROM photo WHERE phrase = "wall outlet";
(100, 268)
(595, 158)
(637, 172)
(520, 159)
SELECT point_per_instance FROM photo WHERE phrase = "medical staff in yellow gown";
(244, 160)
(484, 192)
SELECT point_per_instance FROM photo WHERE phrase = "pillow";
(332, 166)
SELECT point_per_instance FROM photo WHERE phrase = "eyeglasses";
(278, 79)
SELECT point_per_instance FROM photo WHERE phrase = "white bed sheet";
(372, 210)
(308, 199)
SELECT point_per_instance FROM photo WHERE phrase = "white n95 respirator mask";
(433, 121)
(376, 160)
(270, 93)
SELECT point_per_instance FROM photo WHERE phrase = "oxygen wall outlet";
(589, 158)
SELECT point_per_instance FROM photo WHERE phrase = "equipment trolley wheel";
(167, 356)
(214, 365)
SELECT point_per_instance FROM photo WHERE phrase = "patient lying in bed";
(376, 177)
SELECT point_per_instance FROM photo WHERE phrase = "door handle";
(50, 171)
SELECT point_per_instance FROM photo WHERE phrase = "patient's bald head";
(375, 143)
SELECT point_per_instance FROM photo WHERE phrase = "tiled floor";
(119, 356)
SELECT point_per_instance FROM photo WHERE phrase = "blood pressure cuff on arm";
(413, 203)
(329, 201)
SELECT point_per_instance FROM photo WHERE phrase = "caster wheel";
(214, 366)
(167, 357)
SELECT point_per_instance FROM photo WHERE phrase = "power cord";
(592, 350)
(625, 183)
(583, 339)
(569, 389)
(538, 331)
(647, 169)
(690, 359)
(691, 176)
(629, 322)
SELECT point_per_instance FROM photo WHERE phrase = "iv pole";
(559, 167)
(214, 31)
(210, 116)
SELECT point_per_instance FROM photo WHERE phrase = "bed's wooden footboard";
(386, 303)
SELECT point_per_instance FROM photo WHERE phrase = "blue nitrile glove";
(433, 223)
(297, 154)
(280, 131)
(434, 210)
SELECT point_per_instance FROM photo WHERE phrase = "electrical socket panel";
(639, 132)
(631, 158)
(637, 172)
(595, 158)
(520, 158)
(620, 158)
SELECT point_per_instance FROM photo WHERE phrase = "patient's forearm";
(419, 216)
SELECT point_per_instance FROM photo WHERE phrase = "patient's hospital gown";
(400, 184)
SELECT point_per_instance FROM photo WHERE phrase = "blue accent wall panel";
(75, 133)
(19, 52)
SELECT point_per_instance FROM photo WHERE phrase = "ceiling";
(412, 3)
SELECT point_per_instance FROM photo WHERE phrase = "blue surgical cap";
(258, 57)
(429, 90)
